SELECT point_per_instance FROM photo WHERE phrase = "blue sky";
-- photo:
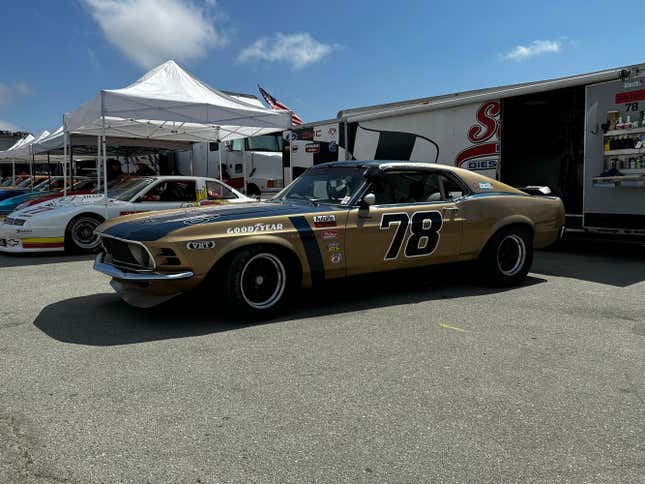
(316, 57)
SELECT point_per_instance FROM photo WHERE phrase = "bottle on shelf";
(619, 123)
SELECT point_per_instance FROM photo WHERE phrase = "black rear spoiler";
(536, 190)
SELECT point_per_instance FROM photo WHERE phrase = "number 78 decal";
(424, 233)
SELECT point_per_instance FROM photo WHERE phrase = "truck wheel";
(257, 282)
(507, 257)
(79, 235)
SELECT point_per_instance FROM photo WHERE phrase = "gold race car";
(336, 220)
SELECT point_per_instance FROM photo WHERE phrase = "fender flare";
(247, 241)
(506, 222)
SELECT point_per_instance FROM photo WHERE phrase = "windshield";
(25, 183)
(124, 191)
(264, 143)
(325, 184)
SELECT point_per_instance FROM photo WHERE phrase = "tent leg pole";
(98, 164)
(65, 135)
(13, 173)
(219, 152)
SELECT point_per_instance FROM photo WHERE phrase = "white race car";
(69, 222)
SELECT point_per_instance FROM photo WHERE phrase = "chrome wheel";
(511, 255)
(82, 233)
(263, 281)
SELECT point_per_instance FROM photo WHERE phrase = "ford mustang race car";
(69, 222)
(336, 220)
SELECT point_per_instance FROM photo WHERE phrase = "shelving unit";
(628, 151)
(627, 181)
(618, 132)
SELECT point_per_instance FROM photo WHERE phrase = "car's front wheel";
(80, 236)
(258, 281)
(507, 257)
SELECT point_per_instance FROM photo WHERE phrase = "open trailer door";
(614, 175)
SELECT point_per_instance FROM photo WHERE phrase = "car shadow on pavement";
(22, 260)
(104, 320)
(605, 262)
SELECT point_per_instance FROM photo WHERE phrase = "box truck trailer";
(582, 136)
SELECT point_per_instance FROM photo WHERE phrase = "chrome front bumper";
(112, 271)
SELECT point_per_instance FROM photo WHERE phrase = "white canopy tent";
(22, 150)
(168, 103)
(14, 150)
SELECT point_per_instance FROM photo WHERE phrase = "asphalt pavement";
(424, 377)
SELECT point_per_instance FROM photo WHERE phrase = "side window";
(172, 191)
(407, 187)
(236, 145)
(452, 189)
(218, 191)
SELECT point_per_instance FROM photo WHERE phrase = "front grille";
(119, 253)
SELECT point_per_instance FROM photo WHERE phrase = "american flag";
(275, 104)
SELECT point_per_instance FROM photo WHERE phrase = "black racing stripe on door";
(308, 238)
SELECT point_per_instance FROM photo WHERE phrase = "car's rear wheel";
(80, 236)
(258, 281)
(507, 257)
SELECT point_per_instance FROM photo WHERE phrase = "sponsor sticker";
(312, 148)
(484, 186)
(332, 131)
(324, 220)
(330, 234)
(200, 244)
(336, 258)
(13, 243)
(253, 229)
(333, 147)
(3, 243)
(333, 247)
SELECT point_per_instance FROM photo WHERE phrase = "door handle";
(450, 212)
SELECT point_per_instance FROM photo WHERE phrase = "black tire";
(507, 257)
(257, 282)
(79, 234)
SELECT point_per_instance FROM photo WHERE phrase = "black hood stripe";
(154, 227)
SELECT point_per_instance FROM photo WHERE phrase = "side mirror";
(368, 200)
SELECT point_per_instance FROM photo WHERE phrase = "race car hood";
(62, 204)
(151, 227)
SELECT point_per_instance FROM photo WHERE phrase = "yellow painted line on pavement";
(454, 328)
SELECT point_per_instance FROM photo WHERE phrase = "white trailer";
(583, 136)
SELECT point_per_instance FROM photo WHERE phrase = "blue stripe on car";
(308, 238)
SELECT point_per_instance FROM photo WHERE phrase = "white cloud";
(299, 50)
(535, 48)
(8, 92)
(149, 32)
(7, 126)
